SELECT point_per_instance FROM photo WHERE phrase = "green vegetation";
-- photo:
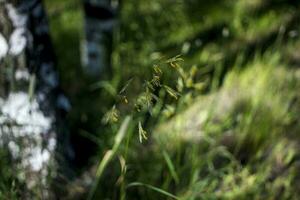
(222, 124)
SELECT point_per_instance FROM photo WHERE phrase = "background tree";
(97, 43)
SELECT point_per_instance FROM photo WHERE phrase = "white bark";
(30, 100)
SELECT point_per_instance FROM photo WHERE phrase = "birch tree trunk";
(97, 43)
(32, 106)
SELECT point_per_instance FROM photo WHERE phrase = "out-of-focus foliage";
(234, 142)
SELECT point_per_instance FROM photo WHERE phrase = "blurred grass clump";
(232, 132)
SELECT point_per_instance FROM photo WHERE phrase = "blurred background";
(200, 100)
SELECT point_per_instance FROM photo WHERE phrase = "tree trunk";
(97, 43)
(32, 106)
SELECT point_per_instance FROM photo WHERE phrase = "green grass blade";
(171, 167)
(161, 191)
(109, 155)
